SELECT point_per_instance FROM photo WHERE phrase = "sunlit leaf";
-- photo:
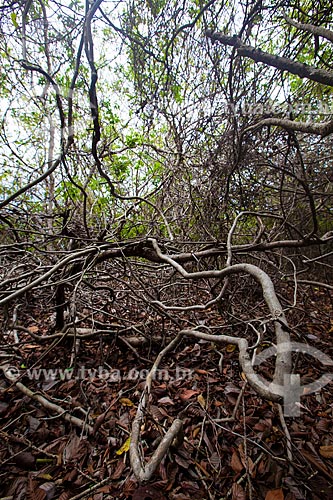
(201, 401)
(125, 447)
(326, 451)
(126, 402)
(13, 17)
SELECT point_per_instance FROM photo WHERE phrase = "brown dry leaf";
(119, 470)
(275, 494)
(166, 401)
(33, 492)
(129, 487)
(323, 425)
(203, 468)
(215, 460)
(316, 461)
(236, 464)
(192, 489)
(246, 461)
(66, 495)
(104, 489)
(262, 466)
(187, 394)
(97, 496)
(71, 476)
(181, 461)
(157, 413)
(172, 472)
(326, 451)
(196, 431)
(263, 425)
(144, 492)
(75, 448)
(163, 472)
(237, 492)
(33, 329)
(49, 489)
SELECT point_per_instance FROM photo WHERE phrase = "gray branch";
(310, 28)
(282, 63)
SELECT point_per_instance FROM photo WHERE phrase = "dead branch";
(310, 28)
(282, 63)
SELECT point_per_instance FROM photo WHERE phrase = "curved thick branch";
(144, 471)
(283, 358)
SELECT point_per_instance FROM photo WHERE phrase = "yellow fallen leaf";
(196, 431)
(125, 447)
(47, 477)
(126, 402)
(201, 401)
(326, 451)
(230, 348)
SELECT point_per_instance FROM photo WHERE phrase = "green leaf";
(13, 17)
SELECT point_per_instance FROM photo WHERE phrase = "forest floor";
(44, 456)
